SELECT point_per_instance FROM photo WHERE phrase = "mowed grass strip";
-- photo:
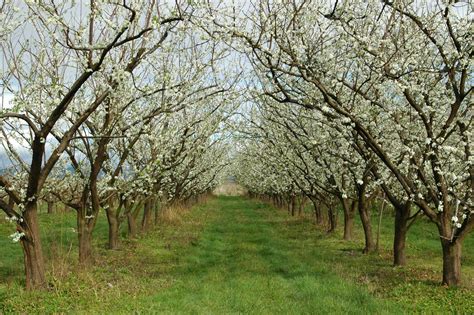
(252, 260)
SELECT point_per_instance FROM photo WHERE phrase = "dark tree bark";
(11, 202)
(332, 217)
(402, 215)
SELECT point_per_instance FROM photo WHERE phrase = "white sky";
(461, 8)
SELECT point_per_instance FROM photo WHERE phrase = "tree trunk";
(132, 211)
(402, 214)
(132, 225)
(332, 217)
(11, 202)
(288, 204)
(317, 212)
(349, 214)
(451, 262)
(32, 251)
(293, 205)
(301, 205)
(157, 212)
(363, 208)
(379, 226)
(84, 234)
(147, 215)
(113, 228)
(50, 207)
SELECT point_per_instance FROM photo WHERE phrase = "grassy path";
(233, 255)
(250, 260)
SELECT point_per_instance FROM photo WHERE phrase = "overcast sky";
(462, 8)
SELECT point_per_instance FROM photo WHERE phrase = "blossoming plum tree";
(60, 68)
(397, 75)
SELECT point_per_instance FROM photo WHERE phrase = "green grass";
(416, 285)
(249, 261)
(234, 255)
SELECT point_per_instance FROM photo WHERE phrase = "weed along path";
(250, 259)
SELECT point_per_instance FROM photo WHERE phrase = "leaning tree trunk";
(402, 214)
(363, 208)
(11, 202)
(31, 244)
